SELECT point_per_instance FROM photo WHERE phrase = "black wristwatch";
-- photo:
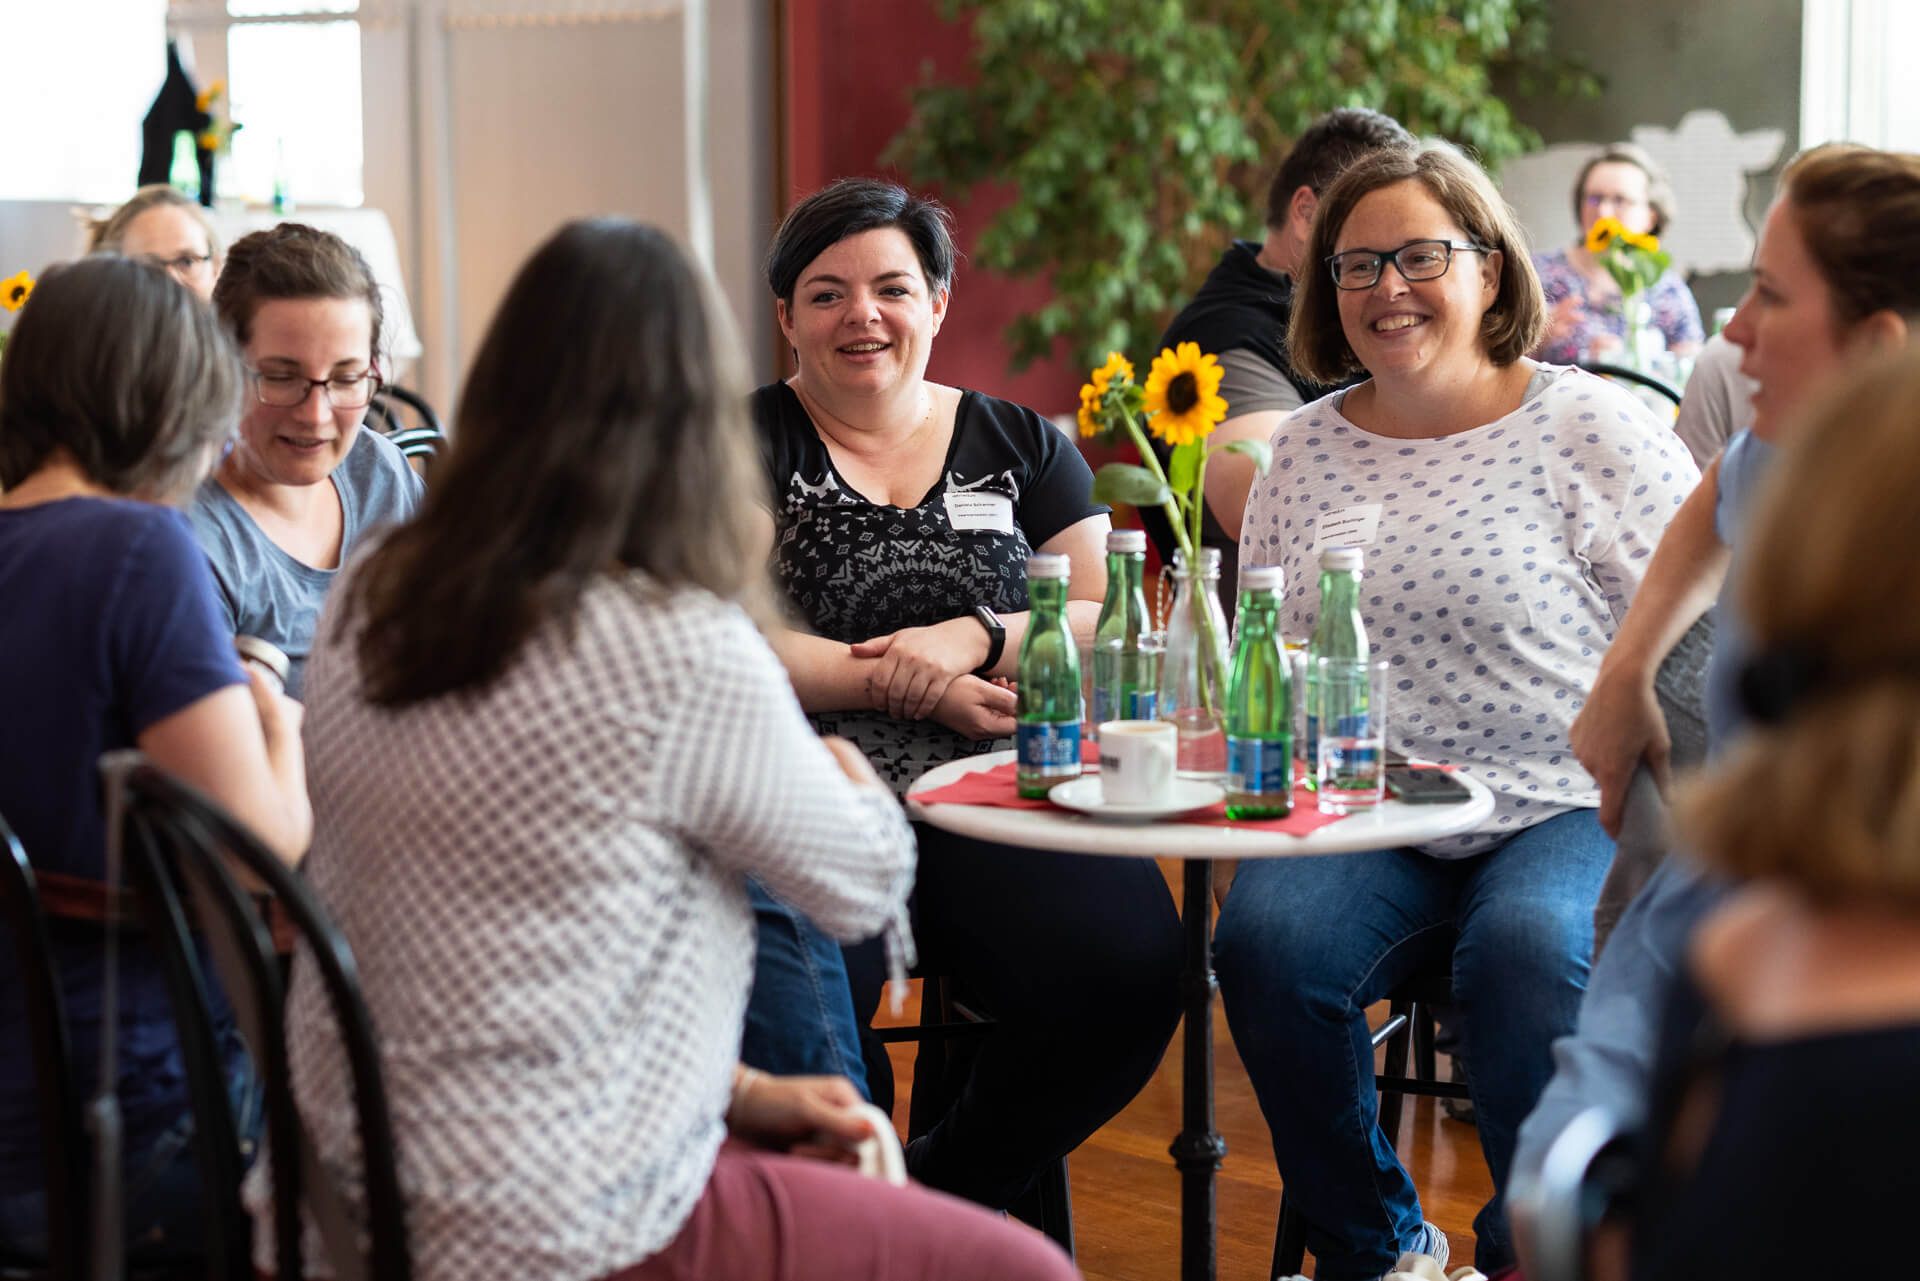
(996, 638)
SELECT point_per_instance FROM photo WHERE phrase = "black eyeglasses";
(343, 391)
(179, 264)
(1415, 260)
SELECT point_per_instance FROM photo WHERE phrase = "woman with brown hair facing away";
(548, 746)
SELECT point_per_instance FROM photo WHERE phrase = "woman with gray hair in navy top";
(115, 391)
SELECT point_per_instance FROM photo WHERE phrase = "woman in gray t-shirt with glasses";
(303, 483)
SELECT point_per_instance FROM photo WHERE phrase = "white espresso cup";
(1137, 761)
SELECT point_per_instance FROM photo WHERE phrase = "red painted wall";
(849, 67)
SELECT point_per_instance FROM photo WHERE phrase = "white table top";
(1385, 826)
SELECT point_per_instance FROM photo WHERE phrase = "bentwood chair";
(34, 919)
(1406, 1032)
(62, 1148)
(1586, 1172)
(183, 849)
(424, 439)
(1634, 376)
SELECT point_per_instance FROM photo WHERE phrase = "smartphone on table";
(1422, 785)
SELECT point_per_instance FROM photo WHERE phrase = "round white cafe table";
(1199, 1149)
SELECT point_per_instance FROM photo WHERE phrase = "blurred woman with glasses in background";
(167, 229)
(303, 483)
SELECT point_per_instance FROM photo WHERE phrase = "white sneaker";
(1425, 1260)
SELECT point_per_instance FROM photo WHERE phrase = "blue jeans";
(163, 1206)
(800, 1018)
(1305, 945)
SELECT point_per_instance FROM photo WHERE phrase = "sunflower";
(1648, 242)
(1183, 400)
(1117, 366)
(14, 291)
(1604, 233)
(210, 95)
(1089, 404)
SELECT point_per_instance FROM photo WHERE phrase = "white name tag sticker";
(970, 509)
(1348, 527)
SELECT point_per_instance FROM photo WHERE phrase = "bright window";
(296, 95)
(72, 128)
(1854, 81)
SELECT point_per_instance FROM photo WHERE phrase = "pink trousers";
(769, 1217)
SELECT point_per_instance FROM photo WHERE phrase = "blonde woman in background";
(1792, 1037)
(167, 229)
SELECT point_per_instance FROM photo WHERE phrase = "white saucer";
(1084, 794)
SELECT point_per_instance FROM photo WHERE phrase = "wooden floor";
(1126, 1193)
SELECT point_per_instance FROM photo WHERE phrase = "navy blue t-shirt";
(110, 623)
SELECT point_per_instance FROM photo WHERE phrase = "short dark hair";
(119, 365)
(1659, 187)
(292, 260)
(604, 424)
(1325, 149)
(849, 207)
(1513, 325)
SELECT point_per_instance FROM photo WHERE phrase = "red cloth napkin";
(997, 787)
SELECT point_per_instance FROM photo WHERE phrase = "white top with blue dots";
(1499, 563)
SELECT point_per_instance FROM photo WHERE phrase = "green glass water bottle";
(1125, 675)
(1048, 712)
(1337, 633)
(1259, 778)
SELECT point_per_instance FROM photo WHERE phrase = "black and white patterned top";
(543, 885)
(855, 569)
(1499, 562)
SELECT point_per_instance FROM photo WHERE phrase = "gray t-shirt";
(1718, 404)
(1251, 385)
(264, 592)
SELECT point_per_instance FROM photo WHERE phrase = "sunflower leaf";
(1184, 466)
(1258, 450)
(1126, 483)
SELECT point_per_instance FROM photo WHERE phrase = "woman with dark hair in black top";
(903, 515)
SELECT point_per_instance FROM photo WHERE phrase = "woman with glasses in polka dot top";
(1507, 509)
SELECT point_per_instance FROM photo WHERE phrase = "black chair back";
(62, 1147)
(180, 839)
(216, 1143)
(1634, 376)
(1586, 1169)
(425, 439)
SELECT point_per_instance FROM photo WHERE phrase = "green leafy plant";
(1137, 135)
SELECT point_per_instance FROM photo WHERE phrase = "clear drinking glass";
(1352, 710)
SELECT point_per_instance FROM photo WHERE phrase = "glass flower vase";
(1193, 668)
(1644, 341)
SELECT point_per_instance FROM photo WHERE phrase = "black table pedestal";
(1199, 1148)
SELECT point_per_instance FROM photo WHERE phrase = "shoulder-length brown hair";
(1512, 326)
(118, 365)
(604, 425)
(1827, 798)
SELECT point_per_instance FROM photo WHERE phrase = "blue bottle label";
(1259, 766)
(1049, 750)
(1132, 705)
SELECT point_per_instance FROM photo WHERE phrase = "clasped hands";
(926, 673)
(810, 1116)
